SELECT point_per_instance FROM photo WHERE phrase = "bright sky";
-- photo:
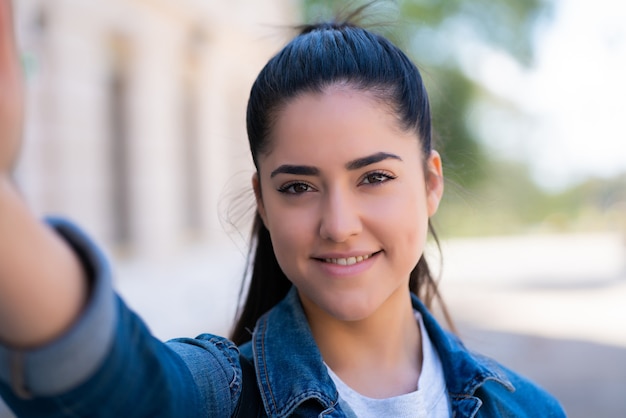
(575, 95)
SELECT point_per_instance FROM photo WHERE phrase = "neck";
(379, 356)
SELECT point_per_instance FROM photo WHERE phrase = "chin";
(342, 306)
(351, 311)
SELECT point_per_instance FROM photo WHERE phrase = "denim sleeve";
(108, 364)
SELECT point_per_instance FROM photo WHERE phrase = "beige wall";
(141, 171)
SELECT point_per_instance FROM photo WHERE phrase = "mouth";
(348, 261)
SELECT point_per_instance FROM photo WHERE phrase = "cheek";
(292, 238)
(402, 218)
(405, 205)
(289, 228)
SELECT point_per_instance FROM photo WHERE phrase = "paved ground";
(552, 308)
(586, 372)
(589, 379)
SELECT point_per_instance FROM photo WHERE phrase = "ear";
(434, 182)
(256, 186)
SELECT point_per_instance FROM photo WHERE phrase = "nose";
(340, 217)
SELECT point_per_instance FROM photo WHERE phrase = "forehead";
(337, 123)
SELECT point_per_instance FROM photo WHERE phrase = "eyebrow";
(302, 170)
(371, 159)
(306, 170)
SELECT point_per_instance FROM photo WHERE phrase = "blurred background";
(136, 130)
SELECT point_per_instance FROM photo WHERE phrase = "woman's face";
(345, 197)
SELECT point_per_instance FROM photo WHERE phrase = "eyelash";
(288, 188)
(386, 177)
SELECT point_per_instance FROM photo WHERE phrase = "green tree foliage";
(435, 33)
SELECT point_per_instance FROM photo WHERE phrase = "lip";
(339, 270)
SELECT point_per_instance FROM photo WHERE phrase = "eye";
(296, 188)
(377, 177)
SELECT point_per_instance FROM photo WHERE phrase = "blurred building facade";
(136, 112)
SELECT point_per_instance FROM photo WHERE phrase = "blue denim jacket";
(291, 373)
(109, 365)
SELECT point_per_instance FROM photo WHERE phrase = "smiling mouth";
(350, 260)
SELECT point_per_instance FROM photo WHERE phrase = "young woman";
(336, 319)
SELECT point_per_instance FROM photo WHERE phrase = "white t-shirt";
(430, 399)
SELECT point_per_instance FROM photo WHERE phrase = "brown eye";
(295, 188)
(376, 177)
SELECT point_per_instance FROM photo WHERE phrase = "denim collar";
(464, 371)
(290, 368)
(291, 373)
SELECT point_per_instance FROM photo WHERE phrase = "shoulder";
(478, 383)
(523, 398)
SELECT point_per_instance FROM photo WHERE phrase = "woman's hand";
(11, 91)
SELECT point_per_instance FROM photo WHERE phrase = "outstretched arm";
(42, 288)
(92, 356)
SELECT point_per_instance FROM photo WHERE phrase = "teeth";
(347, 261)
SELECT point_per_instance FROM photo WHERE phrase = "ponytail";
(268, 283)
